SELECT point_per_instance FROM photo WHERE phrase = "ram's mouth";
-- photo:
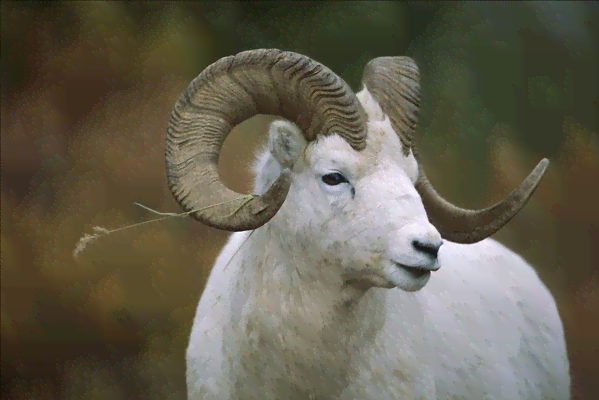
(414, 272)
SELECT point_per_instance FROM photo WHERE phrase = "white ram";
(327, 294)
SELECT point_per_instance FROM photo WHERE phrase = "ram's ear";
(286, 143)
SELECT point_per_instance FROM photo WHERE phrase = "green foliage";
(543, 93)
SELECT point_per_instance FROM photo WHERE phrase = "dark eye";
(333, 179)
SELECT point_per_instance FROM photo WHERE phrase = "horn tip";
(542, 165)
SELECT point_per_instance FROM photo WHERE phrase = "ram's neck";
(288, 283)
(299, 318)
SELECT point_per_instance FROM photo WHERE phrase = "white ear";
(285, 145)
(285, 142)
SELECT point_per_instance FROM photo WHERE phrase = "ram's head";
(341, 176)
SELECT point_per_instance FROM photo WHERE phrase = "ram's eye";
(333, 179)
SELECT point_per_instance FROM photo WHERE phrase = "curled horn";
(232, 90)
(394, 82)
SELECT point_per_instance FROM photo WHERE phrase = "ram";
(349, 277)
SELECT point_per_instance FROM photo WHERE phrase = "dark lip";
(416, 271)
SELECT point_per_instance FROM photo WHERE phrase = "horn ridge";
(231, 90)
(394, 83)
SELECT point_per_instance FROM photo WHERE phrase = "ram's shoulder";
(210, 337)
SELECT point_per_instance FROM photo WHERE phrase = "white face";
(355, 210)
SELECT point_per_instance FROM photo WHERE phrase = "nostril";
(431, 249)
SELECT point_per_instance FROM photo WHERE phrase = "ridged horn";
(394, 82)
(232, 90)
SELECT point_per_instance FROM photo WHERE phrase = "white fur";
(310, 306)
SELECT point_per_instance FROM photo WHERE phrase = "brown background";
(87, 89)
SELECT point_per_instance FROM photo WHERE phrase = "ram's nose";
(427, 246)
(416, 245)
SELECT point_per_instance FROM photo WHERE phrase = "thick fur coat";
(310, 307)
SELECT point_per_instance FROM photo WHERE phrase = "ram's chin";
(408, 279)
(391, 277)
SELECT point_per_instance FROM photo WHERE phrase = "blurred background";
(87, 89)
